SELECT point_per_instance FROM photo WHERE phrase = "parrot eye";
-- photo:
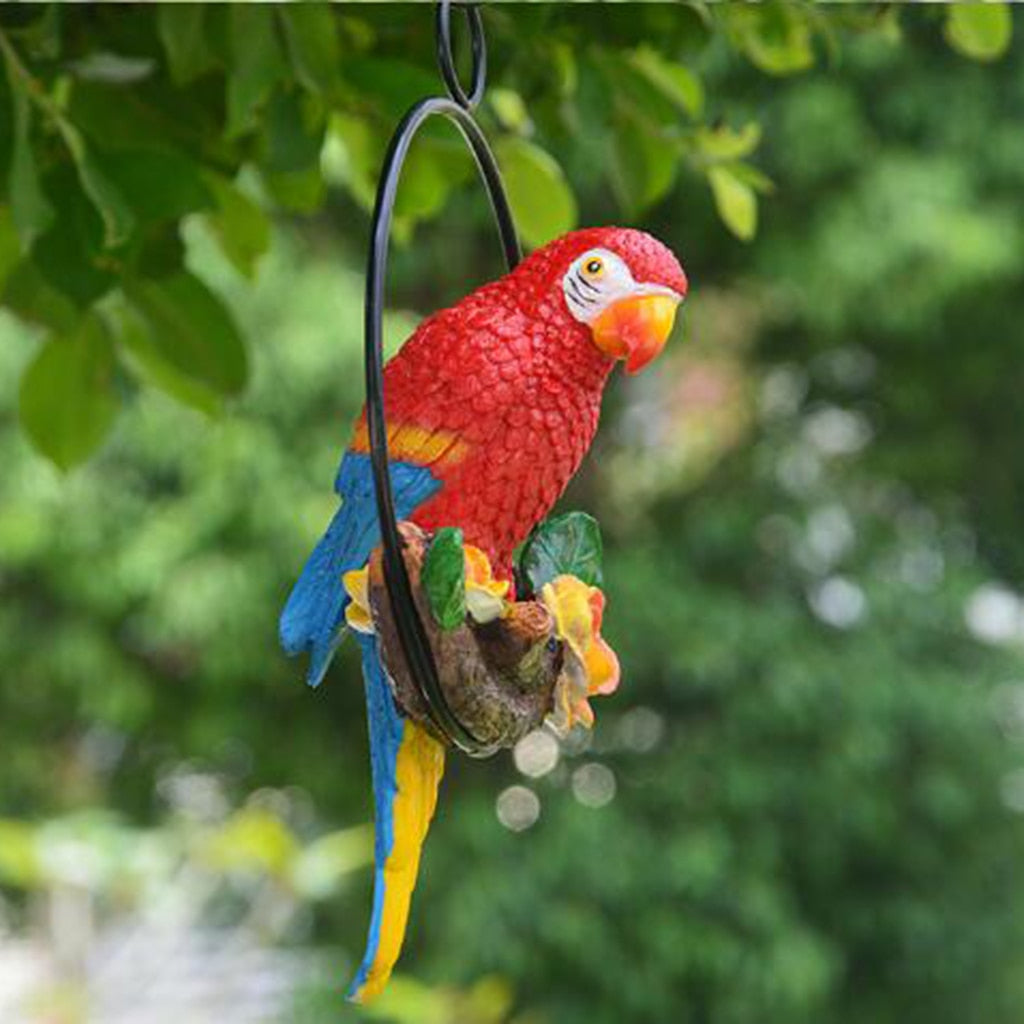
(597, 278)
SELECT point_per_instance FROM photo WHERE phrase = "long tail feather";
(407, 765)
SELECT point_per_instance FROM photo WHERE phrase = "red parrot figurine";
(491, 406)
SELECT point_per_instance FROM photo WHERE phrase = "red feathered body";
(499, 396)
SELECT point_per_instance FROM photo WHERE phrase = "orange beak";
(636, 328)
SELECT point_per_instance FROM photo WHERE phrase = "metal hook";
(411, 633)
(446, 56)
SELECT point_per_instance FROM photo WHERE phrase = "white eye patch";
(594, 281)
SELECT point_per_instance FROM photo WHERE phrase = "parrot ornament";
(491, 405)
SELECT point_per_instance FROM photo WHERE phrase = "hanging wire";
(457, 107)
(446, 57)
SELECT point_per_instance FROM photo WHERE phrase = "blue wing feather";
(314, 615)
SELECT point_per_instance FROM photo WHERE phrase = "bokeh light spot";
(839, 602)
(593, 785)
(536, 753)
(517, 808)
(641, 729)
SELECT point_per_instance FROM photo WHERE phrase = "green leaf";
(541, 200)
(645, 164)
(67, 400)
(10, 246)
(192, 330)
(159, 251)
(750, 175)
(256, 63)
(432, 170)
(149, 363)
(181, 28)
(444, 577)
(776, 37)
(20, 865)
(31, 297)
(312, 40)
(151, 115)
(33, 213)
(113, 208)
(981, 31)
(510, 108)
(352, 157)
(675, 81)
(71, 254)
(735, 199)
(239, 225)
(301, 191)
(392, 86)
(565, 545)
(295, 128)
(725, 143)
(159, 184)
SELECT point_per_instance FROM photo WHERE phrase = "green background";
(804, 804)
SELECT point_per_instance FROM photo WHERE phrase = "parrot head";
(618, 285)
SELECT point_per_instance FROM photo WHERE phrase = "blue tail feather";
(385, 725)
(313, 618)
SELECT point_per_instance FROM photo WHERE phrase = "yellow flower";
(591, 667)
(485, 596)
(357, 612)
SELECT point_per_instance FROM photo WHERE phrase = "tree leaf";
(735, 200)
(239, 225)
(67, 401)
(301, 191)
(775, 36)
(391, 85)
(33, 213)
(294, 132)
(645, 164)
(181, 28)
(312, 40)
(725, 143)
(981, 31)
(750, 175)
(443, 577)
(71, 254)
(568, 544)
(542, 202)
(158, 183)
(192, 330)
(147, 361)
(432, 170)
(256, 63)
(510, 108)
(113, 208)
(675, 81)
(31, 297)
(10, 246)
(352, 157)
(159, 251)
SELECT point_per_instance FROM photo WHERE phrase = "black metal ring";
(411, 633)
(446, 56)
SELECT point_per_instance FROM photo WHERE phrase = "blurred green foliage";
(117, 123)
(805, 802)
